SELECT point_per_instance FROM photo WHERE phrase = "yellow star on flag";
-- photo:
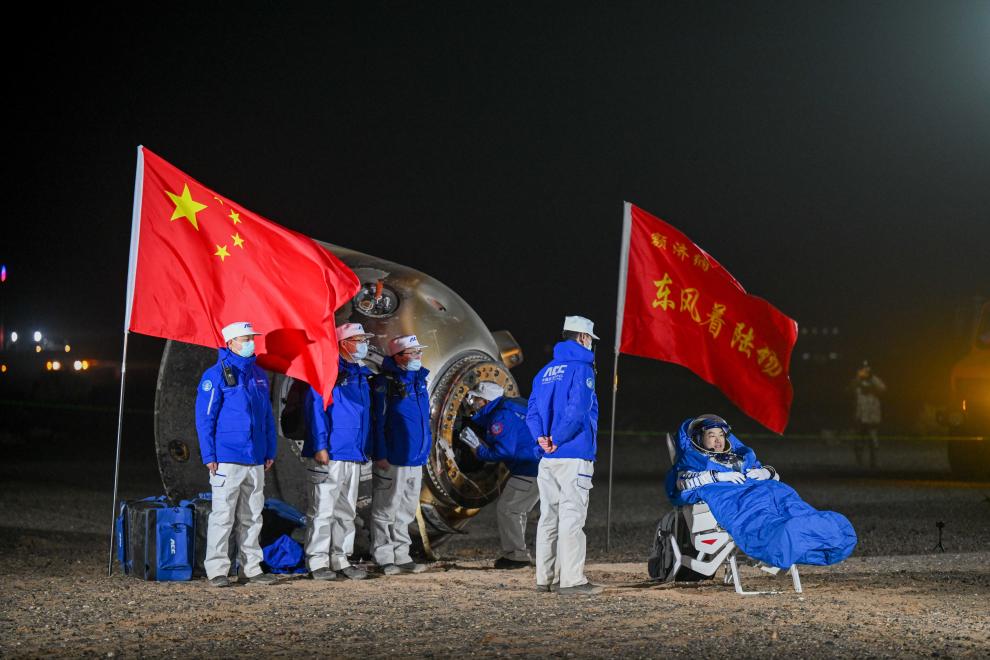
(185, 206)
(238, 241)
(221, 252)
(235, 216)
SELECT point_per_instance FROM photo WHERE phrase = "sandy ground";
(895, 597)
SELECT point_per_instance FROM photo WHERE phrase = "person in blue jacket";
(563, 417)
(401, 445)
(236, 428)
(338, 442)
(507, 440)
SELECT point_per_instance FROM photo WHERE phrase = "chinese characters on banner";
(682, 306)
(200, 261)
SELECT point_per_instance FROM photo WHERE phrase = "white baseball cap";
(580, 324)
(487, 391)
(239, 329)
(405, 342)
(351, 330)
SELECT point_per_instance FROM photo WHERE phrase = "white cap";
(238, 329)
(350, 330)
(580, 324)
(487, 391)
(405, 342)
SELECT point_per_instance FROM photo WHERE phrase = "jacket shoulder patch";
(207, 386)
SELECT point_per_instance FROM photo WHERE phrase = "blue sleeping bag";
(768, 520)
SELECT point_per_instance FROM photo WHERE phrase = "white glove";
(731, 477)
(469, 437)
(758, 474)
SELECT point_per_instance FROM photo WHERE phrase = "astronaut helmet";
(702, 423)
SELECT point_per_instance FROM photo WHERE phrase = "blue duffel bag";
(155, 539)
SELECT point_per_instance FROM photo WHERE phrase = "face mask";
(247, 349)
(360, 352)
(414, 365)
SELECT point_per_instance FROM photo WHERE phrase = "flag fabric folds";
(200, 261)
(678, 304)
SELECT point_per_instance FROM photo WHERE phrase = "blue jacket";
(344, 428)
(564, 404)
(400, 415)
(507, 438)
(739, 458)
(235, 424)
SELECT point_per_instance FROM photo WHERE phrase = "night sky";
(834, 157)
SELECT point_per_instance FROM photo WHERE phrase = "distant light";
(37, 335)
(77, 365)
(37, 349)
(56, 365)
(48, 365)
(805, 356)
(964, 405)
(13, 337)
(3, 368)
(3, 273)
(833, 356)
(67, 348)
(85, 364)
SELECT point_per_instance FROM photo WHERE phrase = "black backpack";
(661, 561)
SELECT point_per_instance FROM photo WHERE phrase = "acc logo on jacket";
(496, 428)
(554, 373)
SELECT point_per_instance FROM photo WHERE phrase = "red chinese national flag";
(682, 306)
(200, 261)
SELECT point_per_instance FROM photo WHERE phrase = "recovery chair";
(713, 544)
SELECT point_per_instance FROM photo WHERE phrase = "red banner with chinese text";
(200, 261)
(682, 306)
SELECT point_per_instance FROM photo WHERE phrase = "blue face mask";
(414, 365)
(360, 352)
(247, 349)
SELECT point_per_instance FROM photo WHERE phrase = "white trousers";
(565, 487)
(238, 497)
(333, 492)
(518, 498)
(393, 508)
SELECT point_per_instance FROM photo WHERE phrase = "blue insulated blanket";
(768, 520)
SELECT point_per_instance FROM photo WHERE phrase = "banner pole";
(116, 464)
(611, 454)
(128, 303)
(619, 309)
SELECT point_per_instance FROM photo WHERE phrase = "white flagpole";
(619, 310)
(131, 273)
